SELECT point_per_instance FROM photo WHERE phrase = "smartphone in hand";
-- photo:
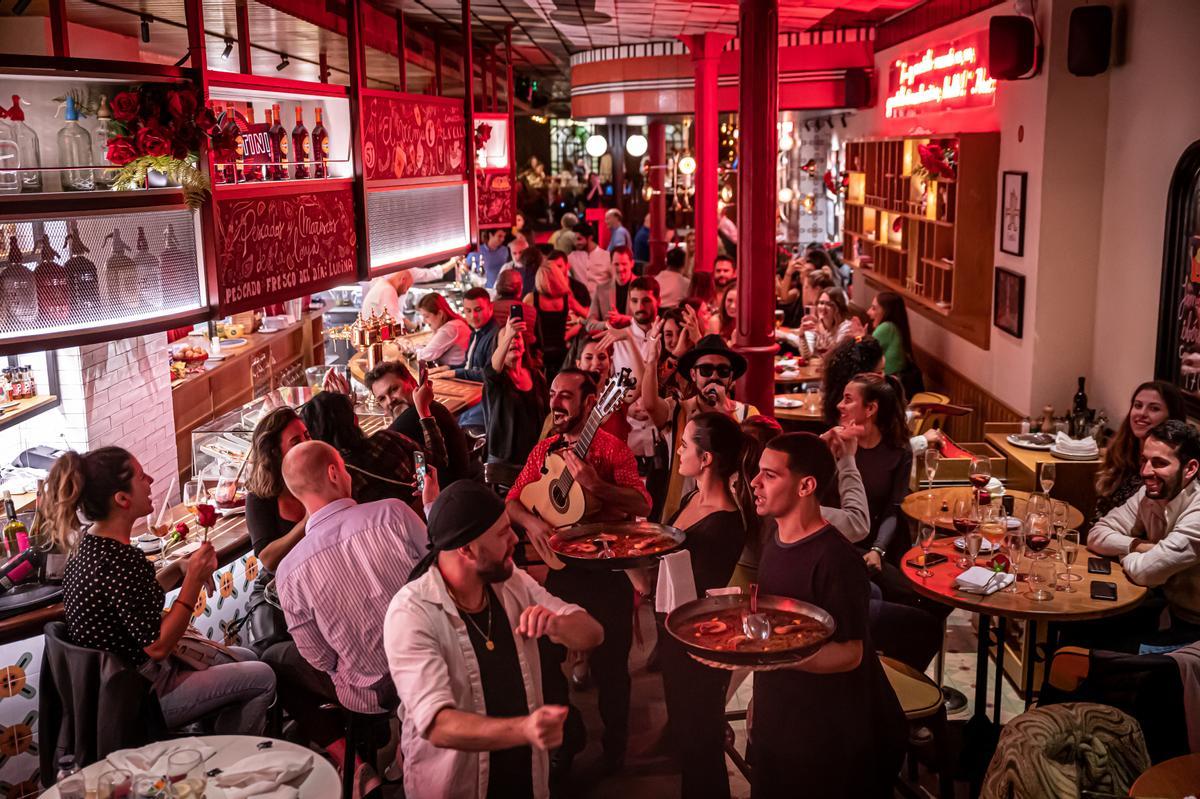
(422, 372)
(419, 471)
(517, 313)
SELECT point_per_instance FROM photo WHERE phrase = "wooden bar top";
(232, 356)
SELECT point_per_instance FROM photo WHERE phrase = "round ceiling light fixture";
(596, 145)
(786, 195)
(636, 145)
(686, 164)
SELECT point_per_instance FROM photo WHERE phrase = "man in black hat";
(462, 646)
(710, 367)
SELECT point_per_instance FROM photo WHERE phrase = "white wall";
(1153, 116)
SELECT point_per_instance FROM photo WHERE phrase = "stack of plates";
(1071, 449)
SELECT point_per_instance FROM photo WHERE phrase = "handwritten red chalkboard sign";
(494, 199)
(412, 136)
(277, 247)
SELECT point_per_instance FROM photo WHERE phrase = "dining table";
(793, 370)
(928, 503)
(1176, 778)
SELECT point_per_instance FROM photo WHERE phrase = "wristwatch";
(882, 552)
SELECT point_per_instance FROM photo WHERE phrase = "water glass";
(974, 543)
(925, 535)
(1068, 552)
(932, 456)
(187, 766)
(115, 784)
(73, 787)
(1042, 576)
(812, 399)
(193, 494)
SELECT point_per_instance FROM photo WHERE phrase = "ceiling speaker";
(1089, 40)
(1011, 47)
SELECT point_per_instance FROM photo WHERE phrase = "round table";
(916, 505)
(1062, 607)
(321, 783)
(1170, 779)
(809, 373)
(796, 413)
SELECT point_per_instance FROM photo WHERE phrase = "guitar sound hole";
(558, 497)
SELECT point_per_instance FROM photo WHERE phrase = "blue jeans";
(239, 693)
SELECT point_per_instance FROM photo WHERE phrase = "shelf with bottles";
(77, 277)
(263, 137)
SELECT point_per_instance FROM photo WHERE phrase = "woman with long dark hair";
(514, 397)
(113, 602)
(451, 333)
(830, 325)
(842, 363)
(1152, 403)
(889, 326)
(724, 321)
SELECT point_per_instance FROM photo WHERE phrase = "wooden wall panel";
(939, 376)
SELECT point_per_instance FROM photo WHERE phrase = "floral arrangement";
(483, 134)
(936, 161)
(160, 128)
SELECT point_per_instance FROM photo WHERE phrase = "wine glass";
(193, 494)
(994, 525)
(932, 456)
(980, 473)
(1058, 517)
(974, 543)
(1046, 477)
(966, 520)
(1014, 544)
(1042, 574)
(1039, 504)
(925, 535)
(1068, 551)
(1037, 534)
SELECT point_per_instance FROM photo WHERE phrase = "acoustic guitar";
(556, 497)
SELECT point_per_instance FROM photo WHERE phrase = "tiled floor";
(651, 774)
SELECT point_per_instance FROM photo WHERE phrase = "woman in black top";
(113, 602)
(552, 300)
(1153, 403)
(514, 396)
(274, 518)
(715, 518)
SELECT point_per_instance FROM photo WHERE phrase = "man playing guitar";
(610, 481)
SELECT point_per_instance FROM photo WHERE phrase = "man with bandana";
(609, 478)
(710, 369)
(462, 646)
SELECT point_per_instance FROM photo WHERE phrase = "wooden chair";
(923, 705)
(930, 410)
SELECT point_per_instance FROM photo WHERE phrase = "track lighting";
(283, 63)
(146, 29)
(228, 48)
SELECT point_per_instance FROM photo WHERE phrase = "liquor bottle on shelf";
(300, 146)
(31, 381)
(82, 278)
(29, 152)
(10, 156)
(320, 148)
(174, 261)
(250, 172)
(75, 152)
(148, 274)
(220, 149)
(279, 147)
(1080, 402)
(18, 295)
(104, 132)
(53, 289)
(120, 275)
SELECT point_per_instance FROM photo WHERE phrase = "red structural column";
(758, 101)
(468, 68)
(658, 202)
(705, 49)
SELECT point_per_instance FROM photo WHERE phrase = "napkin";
(976, 578)
(152, 758)
(263, 774)
(1071, 446)
(676, 583)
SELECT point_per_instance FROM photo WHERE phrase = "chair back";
(91, 703)
(500, 476)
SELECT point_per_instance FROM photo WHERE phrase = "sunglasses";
(708, 369)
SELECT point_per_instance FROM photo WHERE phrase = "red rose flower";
(206, 515)
(125, 106)
(121, 151)
(181, 103)
(152, 140)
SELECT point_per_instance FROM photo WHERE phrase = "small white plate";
(1072, 456)
(222, 356)
(233, 342)
(784, 402)
(985, 546)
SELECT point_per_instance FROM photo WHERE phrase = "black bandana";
(463, 511)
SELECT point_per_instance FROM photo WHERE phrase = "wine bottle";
(28, 149)
(53, 288)
(320, 148)
(279, 147)
(82, 278)
(148, 274)
(233, 171)
(75, 152)
(220, 152)
(250, 172)
(120, 275)
(18, 294)
(16, 537)
(300, 146)
(1081, 399)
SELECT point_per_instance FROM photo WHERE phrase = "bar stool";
(366, 733)
(921, 699)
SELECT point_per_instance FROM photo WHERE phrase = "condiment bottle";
(1048, 419)
(148, 278)
(82, 278)
(120, 275)
(18, 294)
(53, 288)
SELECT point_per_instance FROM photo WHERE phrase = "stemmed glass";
(1014, 544)
(980, 474)
(974, 543)
(193, 494)
(925, 534)
(1068, 551)
(966, 522)
(1038, 530)
(932, 456)
(1046, 477)
(1058, 517)
(994, 525)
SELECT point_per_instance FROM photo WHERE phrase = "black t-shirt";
(458, 453)
(823, 734)
(111, 599)
(579, 291)
(266, 526)
(513, 418)
(510, 773)
(715, 543)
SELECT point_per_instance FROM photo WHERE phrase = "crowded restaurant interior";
(573, 399)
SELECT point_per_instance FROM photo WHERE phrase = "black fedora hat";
(712, 344)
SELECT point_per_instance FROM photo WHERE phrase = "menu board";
(276, 248)
(412, 136)
(494, 199)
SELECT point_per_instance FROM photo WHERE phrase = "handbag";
(197, 653)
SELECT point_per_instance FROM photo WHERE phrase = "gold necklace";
(487, 637)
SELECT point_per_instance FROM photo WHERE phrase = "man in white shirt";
(462, 645)
(590, 264)
(390, 292)
(1156, 534)
(673, 283)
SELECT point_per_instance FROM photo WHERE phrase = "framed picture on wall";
(1012, 213)
(1009, 313)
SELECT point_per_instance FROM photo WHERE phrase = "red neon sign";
(944, 77)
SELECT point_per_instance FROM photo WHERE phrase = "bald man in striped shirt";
(335, 587)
